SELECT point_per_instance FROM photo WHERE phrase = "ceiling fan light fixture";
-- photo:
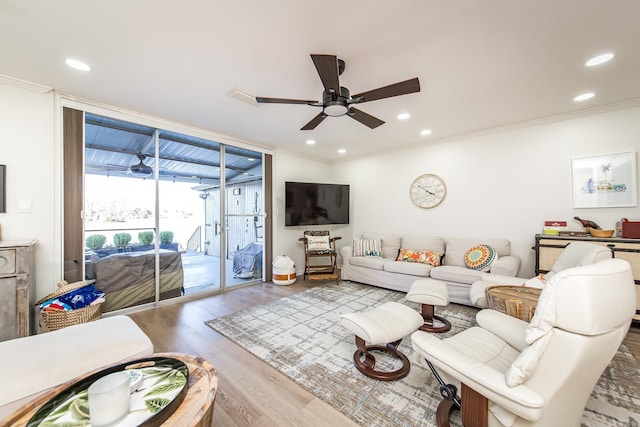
(335, 108)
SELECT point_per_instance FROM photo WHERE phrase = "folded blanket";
(78, 298)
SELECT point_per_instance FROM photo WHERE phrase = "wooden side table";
(516, 301)
(195, 410)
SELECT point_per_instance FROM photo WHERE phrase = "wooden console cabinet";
(17, 289)
(549, 247)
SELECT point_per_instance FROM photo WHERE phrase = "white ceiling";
(481, 63)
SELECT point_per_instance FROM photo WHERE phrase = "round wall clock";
(428, 191)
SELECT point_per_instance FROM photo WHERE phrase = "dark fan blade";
(401, 88)
(314, 122)
(364, 118)
(327, 66)
(262, 100)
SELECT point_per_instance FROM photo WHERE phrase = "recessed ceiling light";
(310, 141)
(584, 96)
(403, 116)
(78, 65)
(342, 151)
(425, 132)
(251, 159)
(600, 59)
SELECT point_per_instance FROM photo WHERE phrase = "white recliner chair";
(513, 373)
(576, 254)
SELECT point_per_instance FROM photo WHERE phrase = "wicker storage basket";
(54, 320)
(516, 301)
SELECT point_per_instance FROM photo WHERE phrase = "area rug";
(301, 336)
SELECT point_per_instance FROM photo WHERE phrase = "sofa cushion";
(480, 257)
(411, 268)
(450, 273)
(390, 243)
(432, 243)
(372, 262)
(421, 256)
(367, 247)
(456, 248)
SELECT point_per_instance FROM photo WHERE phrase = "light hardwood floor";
(250, 393)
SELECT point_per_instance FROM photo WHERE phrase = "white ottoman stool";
(387, 324)
(430, 293)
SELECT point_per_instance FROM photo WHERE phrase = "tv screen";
(309, 203)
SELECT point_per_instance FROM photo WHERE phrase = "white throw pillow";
(537, 335)
(526, 363)
(317, 243)
(367, 247)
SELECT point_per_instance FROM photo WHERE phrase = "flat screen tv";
(309, 203)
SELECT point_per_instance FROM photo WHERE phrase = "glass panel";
(181, 217)
(244, 216)
(120, 196)
(201, 258)
(119, 221)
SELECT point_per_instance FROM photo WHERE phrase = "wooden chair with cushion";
(320, 255)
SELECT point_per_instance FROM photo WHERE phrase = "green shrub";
(145, 237)
(96, 241)
(121, 240)
(166, 237)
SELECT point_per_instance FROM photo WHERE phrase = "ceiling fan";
(337, 100)
(140, 169)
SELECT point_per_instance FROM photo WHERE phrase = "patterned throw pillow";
(318, 243)
(365, 247)
(419, 255)
(480, 257)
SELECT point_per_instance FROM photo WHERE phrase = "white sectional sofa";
(384, 271)
(36, 363)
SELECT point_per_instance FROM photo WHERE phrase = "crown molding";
(23, 84)
(624, 105)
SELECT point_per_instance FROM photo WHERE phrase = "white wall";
(503, 185)
(287, 167)
(27, 149)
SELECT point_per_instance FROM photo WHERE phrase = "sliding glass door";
(160, 219)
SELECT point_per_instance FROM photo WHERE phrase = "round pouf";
(430, 293)
(284, 271)
(384, 327)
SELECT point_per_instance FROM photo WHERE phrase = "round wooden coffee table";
(195, 410)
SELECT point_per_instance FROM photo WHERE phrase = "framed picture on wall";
(3, 198)
(605, 181)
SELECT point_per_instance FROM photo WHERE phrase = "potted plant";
(95, 241)
(166, 241)
(121, 240)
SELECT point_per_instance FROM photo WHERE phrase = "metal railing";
(194, 242)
